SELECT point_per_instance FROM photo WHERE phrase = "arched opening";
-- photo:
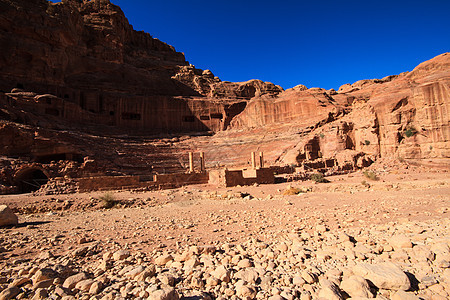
(30, 180)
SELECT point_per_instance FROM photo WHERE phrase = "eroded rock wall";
(81, 45)
(405, 116)
(413, 111)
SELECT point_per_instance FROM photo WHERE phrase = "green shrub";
(410, 131)
(371, 175)
(108, 200)
(319, 178)
(367, 142)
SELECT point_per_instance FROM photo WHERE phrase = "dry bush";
(319, 178)
(108, 201)
(292, 191)
(371, 175)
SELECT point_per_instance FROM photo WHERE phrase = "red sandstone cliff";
(86, 53)
(403, 116)
(59, 47)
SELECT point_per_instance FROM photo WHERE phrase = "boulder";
(164, 294)
(72, 281)
(384, 275)
(7, 217)
(9, 293)
(121, 254)
(356, 286)
(329, 291)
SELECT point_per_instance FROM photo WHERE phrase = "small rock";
(9, 293)
(212, 281)
(163, 259)
(309, 277)
(167, 279)
(95, 288)
(329, 290)
(191, 263)
(246, 292)
(150, 271)
(321, 228)
(400, 242)
(298, 280)
(7, 217)
(428, 281)
(402, 295)
(43, 284)
(121, 255)
(84, 285)
(249, 275)
(80, 252)
(19, 282)
(245, 263)
(356, 286)
(164, 294)
(40, 294)
(221, 273)
(72, 281)
(44, 274)
(135, 272)
(305, 295)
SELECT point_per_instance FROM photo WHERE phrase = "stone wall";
(160, 181)
(229, 178)
(180, 179)
(107, 183)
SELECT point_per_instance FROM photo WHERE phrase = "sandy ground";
(203, 214)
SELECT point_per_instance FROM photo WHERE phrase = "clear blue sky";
(315, 43)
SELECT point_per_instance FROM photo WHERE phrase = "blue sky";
(315, 43)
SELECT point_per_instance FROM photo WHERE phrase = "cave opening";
(30, 180)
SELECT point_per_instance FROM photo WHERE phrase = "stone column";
(202, 162)
(254, 160)
(191, 162)
(308, 150)
(261, 160)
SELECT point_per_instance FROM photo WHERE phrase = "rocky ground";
(350, 238)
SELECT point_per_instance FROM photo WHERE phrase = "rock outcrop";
(402, 116)
(206, 84)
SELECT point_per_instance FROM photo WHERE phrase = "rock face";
(86, 64)
(402, 116)
(305, 106)
(7, 217)
(72, 45)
